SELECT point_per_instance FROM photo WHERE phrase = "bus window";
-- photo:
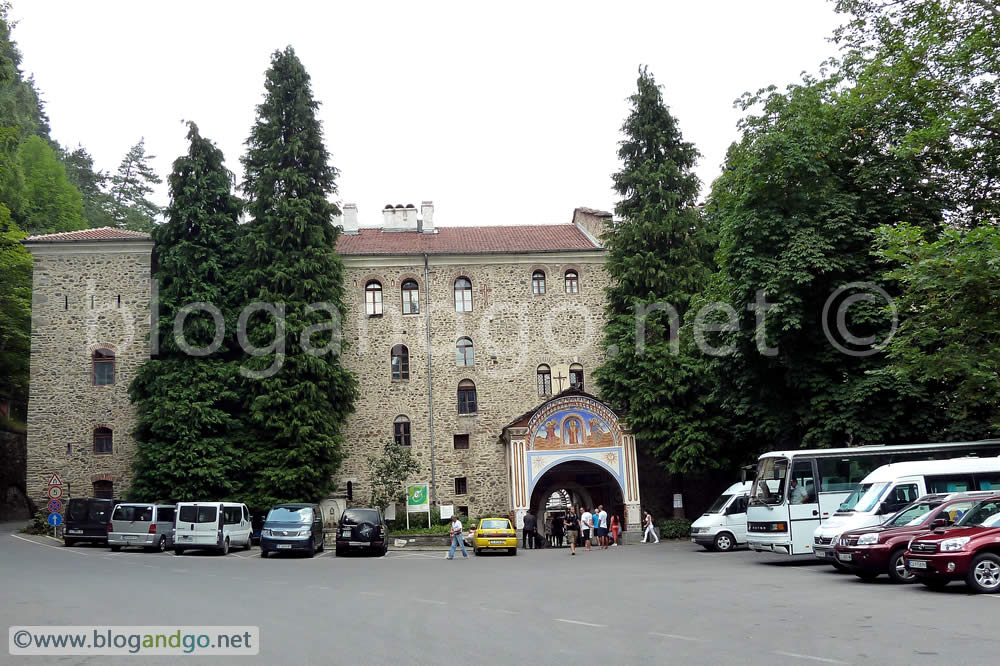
(802, 488)
(988, 481)
(769, 486)
(948, 484)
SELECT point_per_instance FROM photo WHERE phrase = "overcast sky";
(508, 114)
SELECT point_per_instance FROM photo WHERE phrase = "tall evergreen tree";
(48, 201)
(296, 414)
(91, 183)
(188, 432)
(130, 189)
(659, 253)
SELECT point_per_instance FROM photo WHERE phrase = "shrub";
(39, 524)
(674, 528)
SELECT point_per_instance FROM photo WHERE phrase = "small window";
(232, 515)
(104, 489)
(464, 353)
(411, 297)
(461, 487)
(401, 430)
(543, 376)
(103, 440)
(461, 441)
(373, 298)
(463, 295)
(538, 282)
(400, 363)
(463, 511)
(467, 397)
(165, 514)
(103, 367)
(576, 376)
(572, 282)
(350, 491)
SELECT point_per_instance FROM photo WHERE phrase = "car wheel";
(934, 583)
(115, 549)
(842, 568)
(385, 550)
(264, 554)
(513, 552)
(867, 576)
(984, 574)
(178, 551)
(161, 546)
(68, 543)
(322, 545)
(225, 546)
(312, 549)
(724, 542)
(338, 552)
(897, 567)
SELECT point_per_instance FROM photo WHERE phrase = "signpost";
(55, 504)
(417, 501)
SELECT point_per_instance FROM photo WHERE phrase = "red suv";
(872, 551)
(970, 551)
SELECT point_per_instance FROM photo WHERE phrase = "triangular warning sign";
(55, 480)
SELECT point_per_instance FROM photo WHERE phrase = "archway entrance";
(579, 483)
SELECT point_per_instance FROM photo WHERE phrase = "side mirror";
(939, 522)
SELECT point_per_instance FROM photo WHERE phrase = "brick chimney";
(427, 217)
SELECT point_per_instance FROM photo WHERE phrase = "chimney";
(399, 217)
(349, 221)
(427, 217)
(592, 223)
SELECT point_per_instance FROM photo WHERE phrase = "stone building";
(89, 334)
(474, 346)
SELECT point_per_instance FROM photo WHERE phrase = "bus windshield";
(864, 497)
(768, 488)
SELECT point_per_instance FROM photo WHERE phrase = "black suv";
(363, 529)
(87, 519)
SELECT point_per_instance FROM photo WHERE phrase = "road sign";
(55, 506)
(54, 480)
(55, 519)
(55, 492)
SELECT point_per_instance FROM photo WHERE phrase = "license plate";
(130, 538)
(357, 543)
(828, 554)
(917, 564)
(284, 545)
(346, 531)
(845, 557)
(74, 531)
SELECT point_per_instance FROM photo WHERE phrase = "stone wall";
(85, 296)
(513, 331)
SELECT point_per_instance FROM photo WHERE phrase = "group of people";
(587, 528)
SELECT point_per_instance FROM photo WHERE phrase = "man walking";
(586, 525)
(648, 521)
(456, 537)
(530, 523)
(602, 527)
(572, 529)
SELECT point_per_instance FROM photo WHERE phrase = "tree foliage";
(295, 415)
(49, 202)
(15, 309)
(131, 186)
(91, 183)
(388, 473)
(188, 432)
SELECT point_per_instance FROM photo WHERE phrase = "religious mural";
(572, 429)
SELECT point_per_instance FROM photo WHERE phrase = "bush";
(418, 523)
(39, 524)
(674, 528)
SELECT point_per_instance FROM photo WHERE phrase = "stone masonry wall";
(513, 331)
(84, 298)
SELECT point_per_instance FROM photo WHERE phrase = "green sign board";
(417, 497)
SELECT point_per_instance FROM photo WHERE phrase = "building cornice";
(65, 248)
(595, 256)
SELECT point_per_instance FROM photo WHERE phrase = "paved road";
(669, 603)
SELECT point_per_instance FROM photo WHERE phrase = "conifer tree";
(659, 252)
(297, 401)
(188, 433)
(130, 189)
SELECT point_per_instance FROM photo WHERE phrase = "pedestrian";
(586, 525)
(456, 538)
(616, 527)
(602, 526)
(558, 525)
(529, 530)
(648, 522)
(572, 530)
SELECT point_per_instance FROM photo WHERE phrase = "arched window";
(400, 363)
(466, 397)
(464, 354)
(538, 282)
(543, 376)
(103, 364)
(373, 298)
(103, 440)
(401, 430)
(104, 489)
(572, 282)
(411, 297)
(463, 295)
(576, 376)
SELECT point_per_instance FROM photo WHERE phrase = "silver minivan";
(142, 525)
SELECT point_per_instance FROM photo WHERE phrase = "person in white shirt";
(456, 538)
(797, 494)
(602, 527)
(587, 524)
(648, 520)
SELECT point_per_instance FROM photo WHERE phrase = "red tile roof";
(467, 240)
(101, 233)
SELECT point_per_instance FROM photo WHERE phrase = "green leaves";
(388, 472)
(130, 187)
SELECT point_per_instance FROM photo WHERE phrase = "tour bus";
(819, 481)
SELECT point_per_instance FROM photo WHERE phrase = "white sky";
(500, 115)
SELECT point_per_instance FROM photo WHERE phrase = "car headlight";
(954, 544)
(265, 532)
(302, 533)
(868, 539)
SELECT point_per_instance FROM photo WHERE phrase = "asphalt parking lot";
(667, 603)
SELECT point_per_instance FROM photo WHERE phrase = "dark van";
(86, 519)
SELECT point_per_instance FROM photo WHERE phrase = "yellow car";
(495, 534)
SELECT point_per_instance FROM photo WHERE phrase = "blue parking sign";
(55, 519)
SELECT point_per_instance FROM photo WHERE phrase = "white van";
(891, 487)
(216, 525)
(724, 525)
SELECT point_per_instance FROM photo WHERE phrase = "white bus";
(795, 491)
